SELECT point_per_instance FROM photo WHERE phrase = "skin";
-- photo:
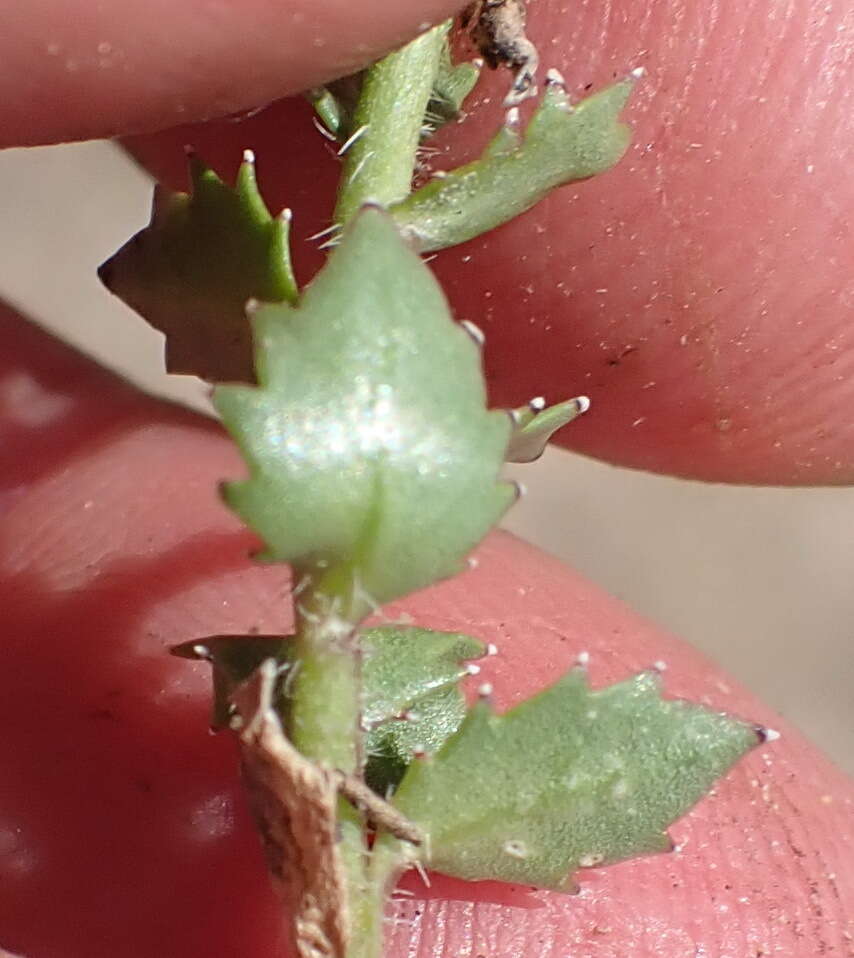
(127, 818)
(85, 70)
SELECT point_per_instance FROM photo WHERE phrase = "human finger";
(120, 811)
(78, 70)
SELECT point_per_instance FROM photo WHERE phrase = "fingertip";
(77, 70)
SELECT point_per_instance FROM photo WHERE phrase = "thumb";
(119, 810)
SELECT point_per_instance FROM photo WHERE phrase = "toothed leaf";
(562, 143)
(406, 671)
(412, 700)
(392, 747)
(570, 778)
(452, 85)
(534, 428)
(403, 664)
(373, 460)
(190, 272)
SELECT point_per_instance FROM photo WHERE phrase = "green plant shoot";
(374, 468)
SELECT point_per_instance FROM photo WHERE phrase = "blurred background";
(760, 579)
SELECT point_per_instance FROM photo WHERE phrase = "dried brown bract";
(497, 27)
(294, 802)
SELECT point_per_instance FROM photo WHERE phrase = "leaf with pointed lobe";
(569, 779)
(191, 271)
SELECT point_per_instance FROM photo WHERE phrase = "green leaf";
(535, 424)
(403, 664)
(452, 85)
(402, 667)
(335, 104)
(562, 143)
(571, 778)
(191, 271)
(392, 746)
(410, 687)
(329, 110)
(412, 701)
(373, 460)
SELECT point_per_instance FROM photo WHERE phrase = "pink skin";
(77, 70)
(702, 292)
(126, 817)
(122, 829)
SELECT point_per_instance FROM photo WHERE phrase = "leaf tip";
(650, 681)
(475, 333)
(193, 649)
(201, 651)
(199, 170)
(161, 204)
(534, 425)
(228, 490)
(106, 273)
(555, 78)
(765, 734)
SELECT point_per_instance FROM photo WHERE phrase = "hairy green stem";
(367, 922)
(325, 703)
(387, 861)
(326, 696)
(325, 699)
(386, 128)
(325, 712)
(325, 725)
